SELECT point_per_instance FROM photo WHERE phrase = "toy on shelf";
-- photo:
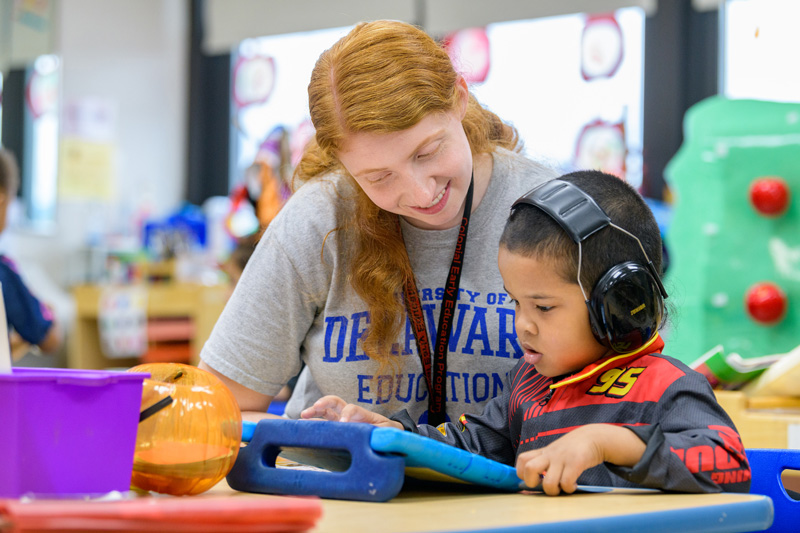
(189, 431)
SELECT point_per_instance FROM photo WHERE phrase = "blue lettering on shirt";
(507, 333)
(462, 387)
(455, 333)
(343, 334)
(364, 389)
(356, 335)
(479, 397)
(330, 329)
(478, 332)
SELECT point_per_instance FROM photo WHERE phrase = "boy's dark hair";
(531, 232)
(9, 172)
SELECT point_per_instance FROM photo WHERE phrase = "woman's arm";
(253, 404)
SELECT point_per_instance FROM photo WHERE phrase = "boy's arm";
(565, 459)
(694, 447)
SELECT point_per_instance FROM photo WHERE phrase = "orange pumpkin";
(191, 441)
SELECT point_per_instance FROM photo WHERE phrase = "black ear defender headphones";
(626, 304)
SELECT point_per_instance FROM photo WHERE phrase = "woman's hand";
(558, 465)
(335, 409)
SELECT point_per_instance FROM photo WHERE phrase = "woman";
(405, 189)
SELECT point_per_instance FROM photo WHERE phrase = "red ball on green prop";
(770, 196)
(766, 303)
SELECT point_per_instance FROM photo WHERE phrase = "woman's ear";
(463, 96)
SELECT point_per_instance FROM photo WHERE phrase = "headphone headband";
(579, 215)
(573, 209)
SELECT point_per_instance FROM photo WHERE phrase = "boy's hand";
(558, 465)
(337, 410)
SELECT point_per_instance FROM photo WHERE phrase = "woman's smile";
(438, 203)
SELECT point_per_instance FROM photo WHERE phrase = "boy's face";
(552, 321)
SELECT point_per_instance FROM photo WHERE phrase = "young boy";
(592, 400)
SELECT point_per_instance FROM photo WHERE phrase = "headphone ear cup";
(597, 328)
(628, 305)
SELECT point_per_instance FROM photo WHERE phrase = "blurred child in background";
(31, 323)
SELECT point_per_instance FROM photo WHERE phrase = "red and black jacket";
(692, 444)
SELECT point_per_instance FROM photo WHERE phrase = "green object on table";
(732, 370)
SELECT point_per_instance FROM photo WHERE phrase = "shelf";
(175, 312)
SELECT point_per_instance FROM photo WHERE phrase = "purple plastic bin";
(67, 431)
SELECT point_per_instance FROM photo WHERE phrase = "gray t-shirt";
(294, 304)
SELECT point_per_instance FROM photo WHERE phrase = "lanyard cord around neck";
(435, 370)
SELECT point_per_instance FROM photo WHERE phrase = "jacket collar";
(655, 344)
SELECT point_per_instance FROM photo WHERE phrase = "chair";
(766, 466)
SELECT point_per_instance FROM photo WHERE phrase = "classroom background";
(157, 138)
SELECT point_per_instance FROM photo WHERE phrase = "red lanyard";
(436, 370)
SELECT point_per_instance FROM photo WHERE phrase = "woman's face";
(421, 173)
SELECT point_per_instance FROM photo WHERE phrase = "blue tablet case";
(358, 461)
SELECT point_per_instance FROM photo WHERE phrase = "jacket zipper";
(546, 399)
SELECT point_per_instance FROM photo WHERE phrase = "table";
(450, 511)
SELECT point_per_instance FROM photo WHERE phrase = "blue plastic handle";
(369, 475)
(248, 428)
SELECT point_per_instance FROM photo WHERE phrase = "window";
(540, 81)
(40, 174)
(270, 95)
(759, 40)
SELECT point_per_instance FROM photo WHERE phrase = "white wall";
(228, 22)
(132, 55)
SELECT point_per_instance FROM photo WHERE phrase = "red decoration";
(766, 303)
(602, 47)
(770, 196)
(601, 146)
(253, 80)
(41, 93)
(469, 51)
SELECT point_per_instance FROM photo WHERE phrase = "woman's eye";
(378, 178)
(544, 308)
(429, 153)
